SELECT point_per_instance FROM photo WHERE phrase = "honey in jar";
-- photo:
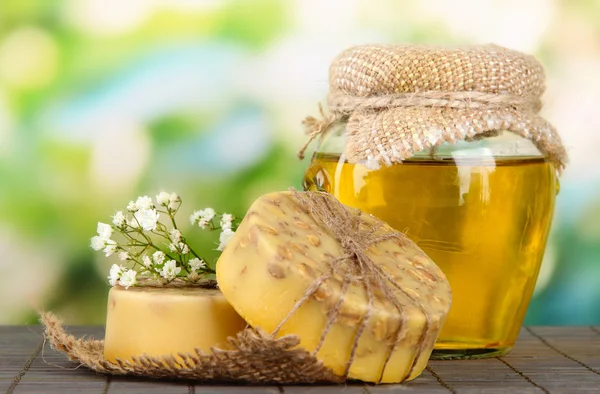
(483, 218)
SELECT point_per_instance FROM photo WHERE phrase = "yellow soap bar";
(279, 251)
(166, 321)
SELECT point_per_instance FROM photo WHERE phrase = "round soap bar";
(166, 321)
(281, 258)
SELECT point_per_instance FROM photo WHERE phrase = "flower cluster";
(156, 250)
(208, 219)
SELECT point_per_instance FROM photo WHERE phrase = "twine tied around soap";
(399, 100)
(355, 266)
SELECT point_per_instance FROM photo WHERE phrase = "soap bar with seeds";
(283, 271)
(167, 321)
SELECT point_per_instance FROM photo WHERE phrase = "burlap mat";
(256, 358)
(399, 100)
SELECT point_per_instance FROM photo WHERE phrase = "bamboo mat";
(544, 360)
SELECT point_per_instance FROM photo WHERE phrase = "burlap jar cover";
(255, 356)
(399, 100)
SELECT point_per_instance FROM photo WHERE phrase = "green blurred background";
(104, 100)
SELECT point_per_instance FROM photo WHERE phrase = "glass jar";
(481, 209)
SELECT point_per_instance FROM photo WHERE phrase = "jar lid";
(399, 100)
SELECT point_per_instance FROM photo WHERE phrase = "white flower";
(133, 223)
(170, 270)
(119, 219)
(224, 238)
(144, 202)
(202, 217)
(123, 256)
(208, 214)
(146, 261)
(196, 264)
(147, 219)
(115, 274)
(180, 248)
(184, 248)
(226, 221)
(174, 201)
(103, 239)
(104, 230)
(163, 198)
(128, 278)
(111, 247)
(176, 235)
(158, 257)
(195, 217)
(97, 243)
(131, 207)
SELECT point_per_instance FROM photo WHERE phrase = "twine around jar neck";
(342, 105)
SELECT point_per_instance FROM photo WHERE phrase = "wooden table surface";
(545, 360)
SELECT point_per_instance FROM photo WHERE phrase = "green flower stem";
(161, 235)
(172, 215)
(138, 242)
(193, 252)
(140, 264)
(135, 245)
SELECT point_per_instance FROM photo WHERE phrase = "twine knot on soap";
(399, 100)
(356, 237)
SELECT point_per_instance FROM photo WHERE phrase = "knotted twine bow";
(399, 100)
